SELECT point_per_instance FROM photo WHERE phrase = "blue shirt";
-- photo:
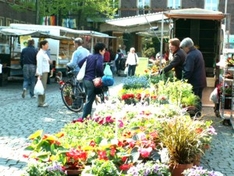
(77, 56)
(94, 66)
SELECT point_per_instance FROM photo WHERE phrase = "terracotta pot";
(68, 100)
(73, 172)
(179, 168)
(197, 160)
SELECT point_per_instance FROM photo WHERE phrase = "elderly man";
(79, 53)
(194, 69)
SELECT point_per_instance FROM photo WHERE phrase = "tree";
(79, 9)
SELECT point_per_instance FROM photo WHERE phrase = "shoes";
(43, 105)
(24, 93)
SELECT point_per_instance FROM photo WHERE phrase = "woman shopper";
(43, 68)
(94, 68)
(132, 62)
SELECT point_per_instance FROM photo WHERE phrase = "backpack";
(120, 56)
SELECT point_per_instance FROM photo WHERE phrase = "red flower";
(125, 167)
(145, 152)
(112, 152)
(124, 158)
(92, 143)
(102, 155)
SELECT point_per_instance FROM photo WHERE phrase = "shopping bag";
(39, 89)
(107, 80)
(214, 96)
(107, 71)
(81, 73)
(126, 70)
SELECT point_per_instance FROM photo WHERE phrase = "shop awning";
(195, 13)
(137, 20)
(19, 32)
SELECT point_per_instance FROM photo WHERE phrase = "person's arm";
(99, 66)
(73, 61)
(188, 67)
(39, 64)
(22, 58)
(176, 61)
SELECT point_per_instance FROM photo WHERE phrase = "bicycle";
(73, 95)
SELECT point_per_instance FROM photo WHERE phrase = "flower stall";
(147, 131)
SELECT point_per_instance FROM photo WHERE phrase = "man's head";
(30, 42)
(78, 42)
(186, 44)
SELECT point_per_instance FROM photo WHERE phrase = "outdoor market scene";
(116, 88)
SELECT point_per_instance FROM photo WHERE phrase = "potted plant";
(182, 137)
(67, 93)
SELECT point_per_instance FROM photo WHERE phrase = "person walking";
(178, 58)
(28, 63)
(131, 62)
(118, 58)
(194, 69)
(94, 68)
(43, 68)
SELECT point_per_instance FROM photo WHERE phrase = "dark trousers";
(89, 90)
(198, 92)
(131, 70)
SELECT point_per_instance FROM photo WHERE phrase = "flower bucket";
(179, 168)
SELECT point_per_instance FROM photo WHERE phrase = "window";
(143, 6)
(211, 4)
(1, 21)
(8, 21)
(174, 4)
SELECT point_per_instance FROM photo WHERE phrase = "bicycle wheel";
(72, 97)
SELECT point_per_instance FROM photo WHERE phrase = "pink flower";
(145, 152)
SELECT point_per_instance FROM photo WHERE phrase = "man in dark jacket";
(178, 58)
(194, 68)
(28, 62)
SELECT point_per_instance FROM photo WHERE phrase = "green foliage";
(149, 52)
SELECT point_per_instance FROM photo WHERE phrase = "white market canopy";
(137, 20)
(195, 13)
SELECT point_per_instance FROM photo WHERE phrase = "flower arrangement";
(44, 169)
(135, 82)
(150, 168)
(199, 171)
(184, 138)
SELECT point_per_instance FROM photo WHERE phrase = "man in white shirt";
(43, 68)
(77, 55)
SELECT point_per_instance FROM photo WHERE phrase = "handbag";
(126, 70)
(39, 89)
(81, 73)
(97, 82)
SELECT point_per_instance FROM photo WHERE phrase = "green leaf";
(134, 154)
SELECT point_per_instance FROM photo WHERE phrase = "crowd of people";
(187, 62)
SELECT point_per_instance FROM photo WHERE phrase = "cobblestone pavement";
(20, 117)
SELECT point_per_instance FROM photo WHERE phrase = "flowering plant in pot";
(183, 138)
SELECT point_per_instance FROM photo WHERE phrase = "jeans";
(131, 70)
(29, 71)
(89, 90)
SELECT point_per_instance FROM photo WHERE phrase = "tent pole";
(161, 43)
